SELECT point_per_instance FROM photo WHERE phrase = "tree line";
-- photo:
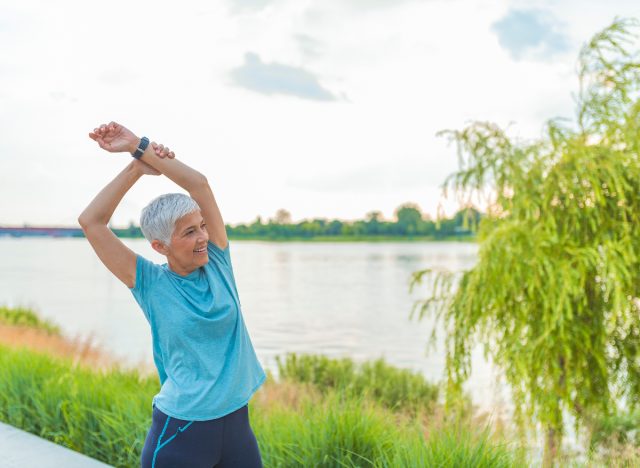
(409, 222)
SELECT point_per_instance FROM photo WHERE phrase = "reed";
(351, 431)
(392, 387)
(22, 316)
(22, 327)
(106, 414)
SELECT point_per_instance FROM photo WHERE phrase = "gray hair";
(158, 218)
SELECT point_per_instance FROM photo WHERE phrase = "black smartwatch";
(144, 142)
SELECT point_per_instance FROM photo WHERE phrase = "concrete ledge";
(20, 449)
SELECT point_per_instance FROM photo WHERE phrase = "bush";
(355, 432)
(26, 317)
(617, 429)
(394, 388)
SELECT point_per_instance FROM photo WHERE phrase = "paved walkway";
(20, 449)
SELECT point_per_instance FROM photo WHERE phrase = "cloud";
(257, 5)
(243, 5)
(275, 78)
(533, 33)
(371, 4)
(311, 48)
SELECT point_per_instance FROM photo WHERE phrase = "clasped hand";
(116, 138)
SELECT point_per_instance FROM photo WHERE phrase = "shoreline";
(319, 239)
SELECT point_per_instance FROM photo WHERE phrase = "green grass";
(107, 415)
(352, 432)
(103, 415)
(621, 428)
(26, 317)
(392, 387)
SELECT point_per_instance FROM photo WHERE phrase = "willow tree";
(553, 296)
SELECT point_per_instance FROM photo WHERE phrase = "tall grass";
(21, 327)
(106, 415)
(103, 415)
(394, 388)
(28, 318)
(615, 439)
(355, 432)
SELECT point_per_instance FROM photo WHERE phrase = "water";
(338, 299)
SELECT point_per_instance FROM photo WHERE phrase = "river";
(338, 299)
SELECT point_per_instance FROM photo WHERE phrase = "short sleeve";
(146, 271)
(219, 255)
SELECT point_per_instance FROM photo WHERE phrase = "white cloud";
(310, 47)
(250, 5)
(276, 78)
(531, 32)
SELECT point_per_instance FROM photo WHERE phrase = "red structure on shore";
(41, 232)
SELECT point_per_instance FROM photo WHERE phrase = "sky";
(326, 108)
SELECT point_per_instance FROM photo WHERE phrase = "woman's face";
(188, 249)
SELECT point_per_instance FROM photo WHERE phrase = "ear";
(159, 247)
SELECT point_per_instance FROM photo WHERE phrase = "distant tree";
(282, 217)
(467, 219)
(320, 222)
(347, 229)
(554, 296)
(257, 228)
(373, 221)
(359, 228)
(409, 217)
(426, 228)
(334, 228)
(373, 216)
(309, 228)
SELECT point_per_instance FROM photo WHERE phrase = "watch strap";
(144, 142)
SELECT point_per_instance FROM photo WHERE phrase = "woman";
(205, 360)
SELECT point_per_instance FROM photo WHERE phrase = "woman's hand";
(162, 151)
(115, 138)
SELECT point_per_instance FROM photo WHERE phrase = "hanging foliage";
(554, 294)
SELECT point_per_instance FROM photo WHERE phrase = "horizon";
(393, 219)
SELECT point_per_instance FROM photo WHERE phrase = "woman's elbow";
(82, 220)
(85, 220)
(202, 180)
(199, 182)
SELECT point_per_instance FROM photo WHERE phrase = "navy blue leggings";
(223, 442)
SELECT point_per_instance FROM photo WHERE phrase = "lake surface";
(338, 299)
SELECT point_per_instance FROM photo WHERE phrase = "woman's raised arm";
(116, 256)
(116, 138)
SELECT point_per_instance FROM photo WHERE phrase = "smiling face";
(188, 248)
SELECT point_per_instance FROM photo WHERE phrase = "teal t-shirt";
(201, 348)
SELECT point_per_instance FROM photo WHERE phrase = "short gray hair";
(158, 218)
